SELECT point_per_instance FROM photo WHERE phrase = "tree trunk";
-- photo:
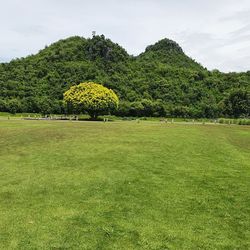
(93, 116)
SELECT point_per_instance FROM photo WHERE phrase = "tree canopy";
(92, 98)
(237, 103)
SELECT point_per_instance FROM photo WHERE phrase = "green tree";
(237, 104)
(14, 106)
(45, 105)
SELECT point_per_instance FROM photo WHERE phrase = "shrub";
(14, 106)
(237, 104)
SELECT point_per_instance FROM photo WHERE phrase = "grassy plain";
(124, 185)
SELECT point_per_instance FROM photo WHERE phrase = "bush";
(14, 106)
(3, 105)
(244, 122)
(234, 121)
(237, 104)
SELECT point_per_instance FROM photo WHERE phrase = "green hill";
(161, 81)
(170, 53)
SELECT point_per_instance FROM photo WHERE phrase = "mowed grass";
(124, 185)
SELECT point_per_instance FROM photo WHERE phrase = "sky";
(216, 33)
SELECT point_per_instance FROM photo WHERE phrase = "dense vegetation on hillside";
(162, 81)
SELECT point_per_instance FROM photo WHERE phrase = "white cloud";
(215, 33)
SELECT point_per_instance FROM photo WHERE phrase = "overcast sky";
(215, 33)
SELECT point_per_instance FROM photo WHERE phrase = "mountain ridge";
(170, 45)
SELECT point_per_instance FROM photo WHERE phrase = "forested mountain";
(162, 81)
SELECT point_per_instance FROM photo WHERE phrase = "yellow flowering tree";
(92, 98)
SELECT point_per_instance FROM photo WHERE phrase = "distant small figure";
(93, 33)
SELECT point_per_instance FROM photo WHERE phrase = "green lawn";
(124, 185)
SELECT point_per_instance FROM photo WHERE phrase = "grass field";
(124, 185)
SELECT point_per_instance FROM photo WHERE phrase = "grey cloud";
(29, 30)
(242, 16)
(215, 33)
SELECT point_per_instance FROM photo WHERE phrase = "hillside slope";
(160, 81)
